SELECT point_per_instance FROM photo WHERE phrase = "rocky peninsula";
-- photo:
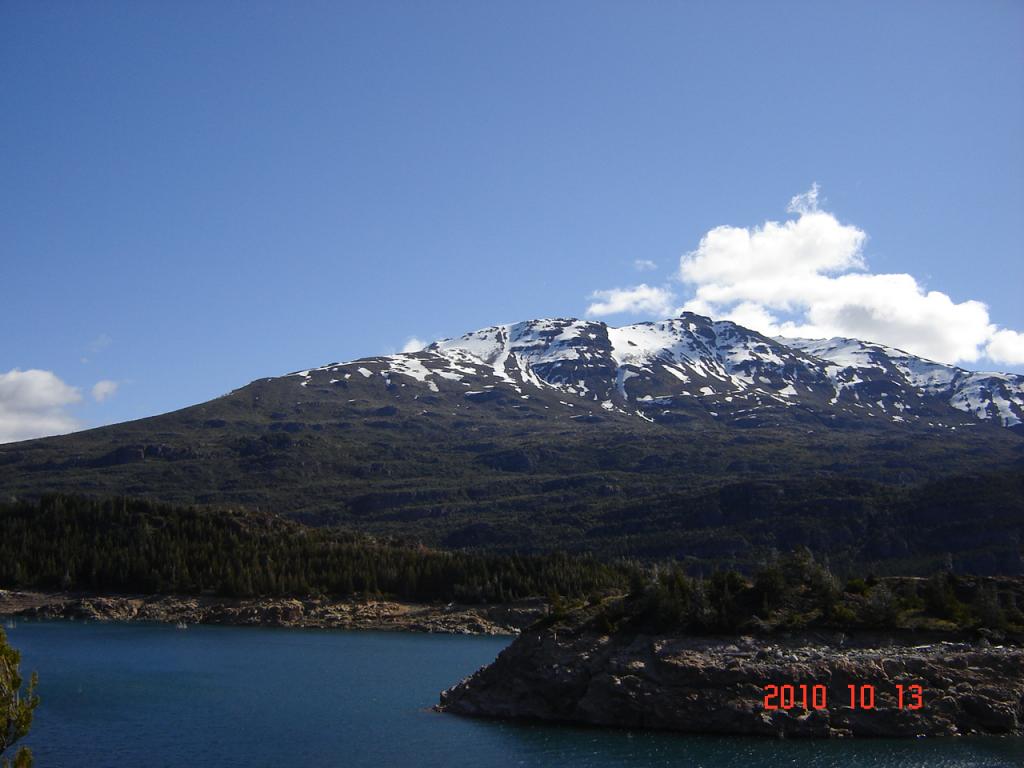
(902, 685)
(387, 615)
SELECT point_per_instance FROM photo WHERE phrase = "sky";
(196, 195)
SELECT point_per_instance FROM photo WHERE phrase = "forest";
(796, 592)
(123, 545)
(131, 546)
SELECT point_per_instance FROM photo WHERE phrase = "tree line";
(125, 545)
(796, 591)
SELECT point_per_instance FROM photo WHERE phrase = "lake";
(153, 695)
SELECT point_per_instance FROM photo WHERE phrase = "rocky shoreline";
(718, 685)
(507, 619)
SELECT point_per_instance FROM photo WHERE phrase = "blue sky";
(196, 195)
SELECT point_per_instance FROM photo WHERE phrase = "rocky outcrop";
(277, 612)
(719, 685)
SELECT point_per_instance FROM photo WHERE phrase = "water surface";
(153, 695)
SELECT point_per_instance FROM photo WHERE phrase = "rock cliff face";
(706, 685)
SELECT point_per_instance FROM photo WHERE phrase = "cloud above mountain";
(413, 344)
(640, 299)
(33, 403)
(807, 277)
(104, 390)
(1006, 346)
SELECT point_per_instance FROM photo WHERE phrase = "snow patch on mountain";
(985, 395)
(681, 368)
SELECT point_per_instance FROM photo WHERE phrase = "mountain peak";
(692, 366)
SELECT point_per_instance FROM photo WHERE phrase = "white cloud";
(807, 277)
(805, 202)
(413, 345)
(32, 404)
(101, 390)
(738, 264)
(644, 265)
(1006, 346)
(640, 299)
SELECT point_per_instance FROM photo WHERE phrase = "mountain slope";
(683, 437)
(998, 397)
(658, 371)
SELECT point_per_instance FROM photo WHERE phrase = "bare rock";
(716, 685)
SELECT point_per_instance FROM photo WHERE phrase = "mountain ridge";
(655, 363)
(709, 442)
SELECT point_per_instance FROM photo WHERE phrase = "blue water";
(153, 695)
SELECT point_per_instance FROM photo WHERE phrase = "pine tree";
(16, 706)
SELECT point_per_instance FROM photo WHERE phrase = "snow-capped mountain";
(682, 438)
(691, 367)
(998, 397)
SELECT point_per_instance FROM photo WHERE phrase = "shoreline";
(565, 673)
(784, 686)
(305, 613)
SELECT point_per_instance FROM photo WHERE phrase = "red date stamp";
(808, 697)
